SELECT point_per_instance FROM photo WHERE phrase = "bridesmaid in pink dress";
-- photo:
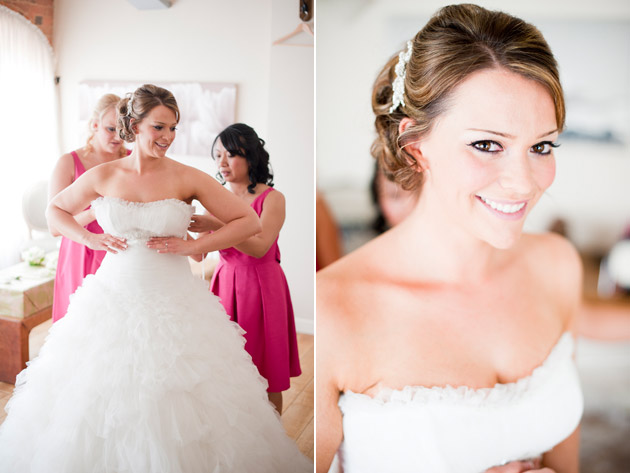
(103, 144)
(248, 279)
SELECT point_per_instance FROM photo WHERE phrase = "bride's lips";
(508, 210)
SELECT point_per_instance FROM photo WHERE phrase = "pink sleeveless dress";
(75, 261)
(255, 294)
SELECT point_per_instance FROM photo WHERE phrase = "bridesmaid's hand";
(106, 242)
(174, 245)
(200, 223)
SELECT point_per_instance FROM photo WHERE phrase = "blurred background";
(589, 201)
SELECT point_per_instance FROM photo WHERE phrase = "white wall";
(207, 40)
(356, 37)
(291, 143)
(194, 40)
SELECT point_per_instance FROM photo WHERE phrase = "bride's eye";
(486, 146)
(544, 147)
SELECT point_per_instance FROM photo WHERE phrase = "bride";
(145, 373)
(445, 345)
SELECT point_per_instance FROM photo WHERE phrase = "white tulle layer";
(144, 374)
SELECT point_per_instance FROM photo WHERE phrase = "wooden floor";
(297, 415)
(297, 409)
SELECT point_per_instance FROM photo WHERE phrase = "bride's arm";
(271, 221)
(564, 458)
(72, 200)
(329, 418)
(240, 220)
(567, 281)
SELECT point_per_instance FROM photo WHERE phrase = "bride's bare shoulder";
(346, 291)
(345, 276)
(556, 263)
(551, 253)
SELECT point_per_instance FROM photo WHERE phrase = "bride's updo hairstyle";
(242, 140)
(138, 105)
(456, 42)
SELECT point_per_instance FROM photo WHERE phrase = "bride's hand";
(177, 246)
(521, 467)
(106, 242)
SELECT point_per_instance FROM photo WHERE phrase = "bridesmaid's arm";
(62, 176)
(202, 223)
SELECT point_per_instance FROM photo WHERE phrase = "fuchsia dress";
(75, 260)
(255, 293)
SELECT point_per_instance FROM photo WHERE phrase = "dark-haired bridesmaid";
(249, 279)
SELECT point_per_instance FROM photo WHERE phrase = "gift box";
(25, 290)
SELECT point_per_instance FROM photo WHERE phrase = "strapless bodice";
(459, 429)
(143, 220)
(137, 222)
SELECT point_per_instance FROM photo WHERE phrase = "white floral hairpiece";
(398, 86)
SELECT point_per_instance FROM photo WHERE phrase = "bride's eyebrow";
(548, 133)
(504, 135)
(507, 135)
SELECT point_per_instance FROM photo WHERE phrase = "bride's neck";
(431, 246)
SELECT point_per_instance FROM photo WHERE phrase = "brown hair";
(143, 100)
(103, 105)
(456, 42)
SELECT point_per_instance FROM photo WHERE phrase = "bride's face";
(490, 156)
(156, 132)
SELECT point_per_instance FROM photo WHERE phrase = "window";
(28, 123)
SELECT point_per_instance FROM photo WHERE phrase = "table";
(26, 296)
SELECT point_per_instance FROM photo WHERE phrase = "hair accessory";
(399, 82)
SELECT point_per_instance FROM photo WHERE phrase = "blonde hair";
(143, 100)
(104, 104)
(456, 42)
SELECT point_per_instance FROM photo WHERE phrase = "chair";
(34, 202)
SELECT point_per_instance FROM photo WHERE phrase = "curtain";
(29, 136)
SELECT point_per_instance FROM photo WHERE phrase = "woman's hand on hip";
(106, 242)
(174, 245)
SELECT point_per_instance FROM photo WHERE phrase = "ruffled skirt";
(144, 374)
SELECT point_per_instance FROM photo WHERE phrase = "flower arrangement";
(34, 256)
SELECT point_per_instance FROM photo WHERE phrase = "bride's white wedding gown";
(460, 429)
(145, 373)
